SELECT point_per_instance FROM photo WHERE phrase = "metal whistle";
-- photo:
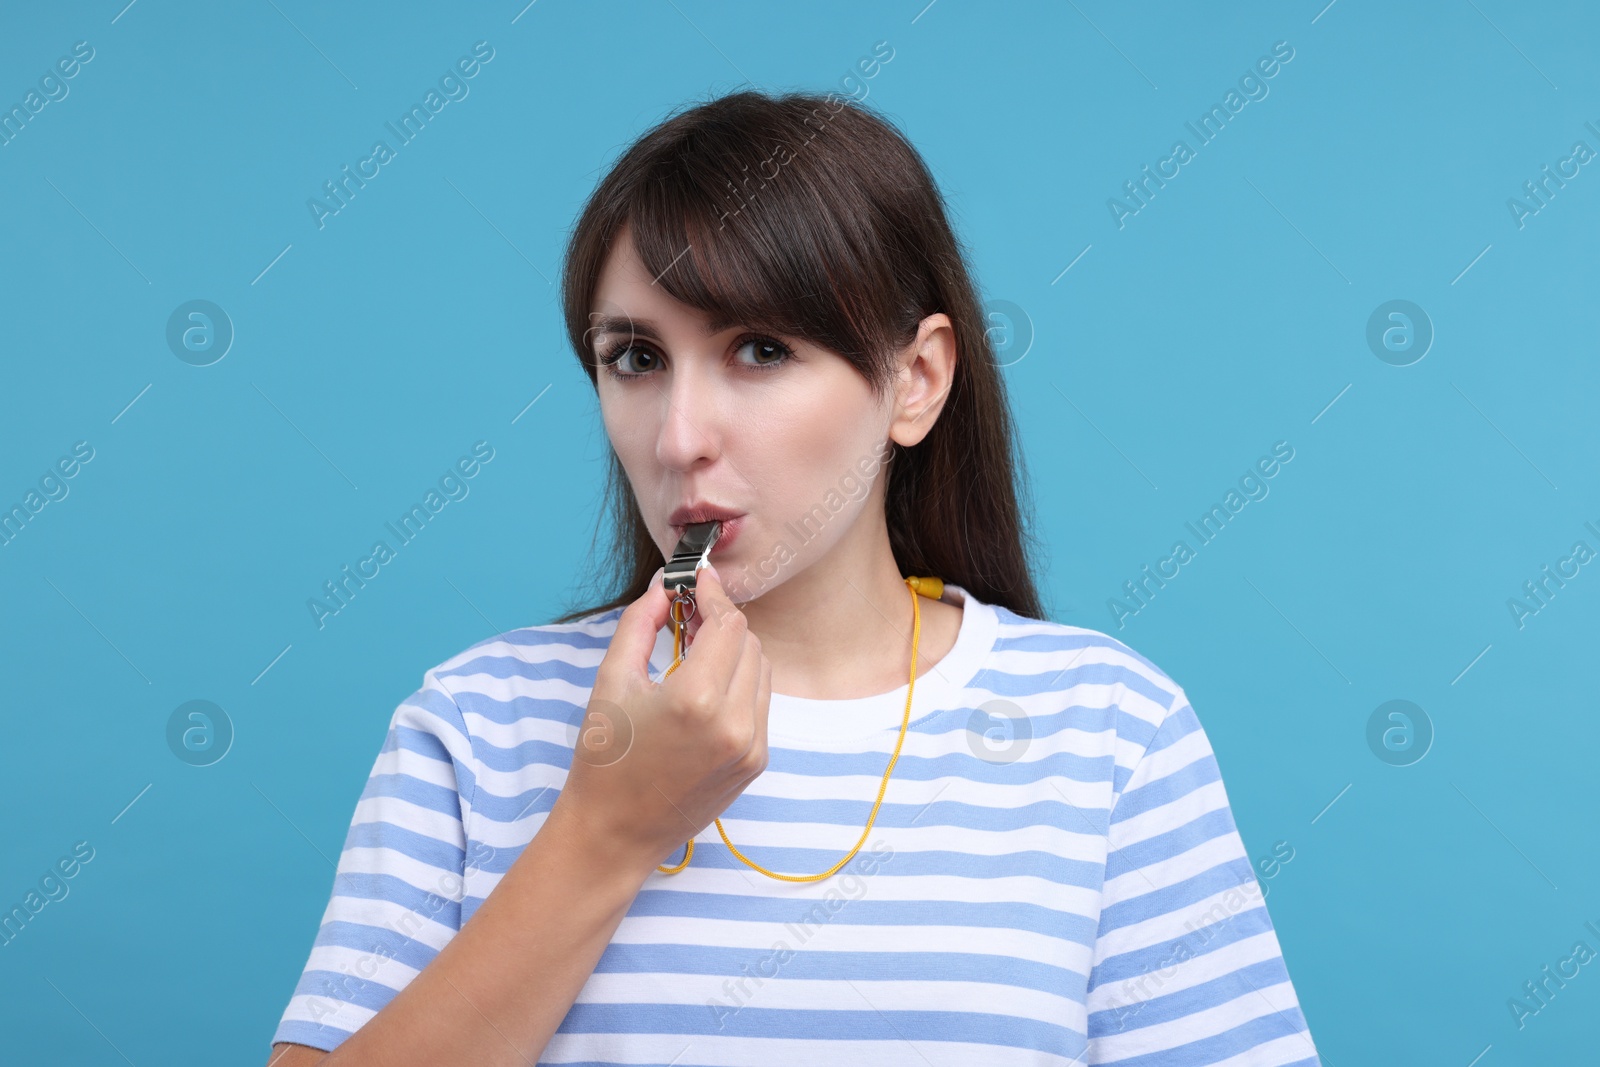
(692, 553)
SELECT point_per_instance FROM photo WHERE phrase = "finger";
(744, 685)
(637, 627)
(763, 702)
(733, 588)
(718, 641)
(704, 578)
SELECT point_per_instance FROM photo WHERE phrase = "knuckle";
(699, 703)
(754, 762)
(756, 758)
(733, 744)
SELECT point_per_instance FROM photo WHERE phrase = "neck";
(842, 627)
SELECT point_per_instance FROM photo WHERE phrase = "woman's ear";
(927, 367)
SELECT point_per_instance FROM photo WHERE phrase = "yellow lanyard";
(933, 589)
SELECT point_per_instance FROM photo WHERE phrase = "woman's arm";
(496, 993)
(671, 757)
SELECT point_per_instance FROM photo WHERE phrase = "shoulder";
(1141, 716)
(1076, 667)
(530, 654)
(489, 682)
(1080, 656)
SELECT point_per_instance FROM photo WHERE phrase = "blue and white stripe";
(1088, 902)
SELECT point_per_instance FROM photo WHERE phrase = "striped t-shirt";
(1054, 875)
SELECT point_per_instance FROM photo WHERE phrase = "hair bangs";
(758, 259)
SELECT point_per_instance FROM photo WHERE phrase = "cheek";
(803, 433)
(635, 450)
(840, 429)
(813, 445)
(625, 429)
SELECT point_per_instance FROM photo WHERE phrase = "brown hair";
(811, 216)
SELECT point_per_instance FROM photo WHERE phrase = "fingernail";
(712, 567)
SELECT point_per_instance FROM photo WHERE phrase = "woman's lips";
(725, 538)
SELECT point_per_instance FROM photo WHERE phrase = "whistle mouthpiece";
(692, 553)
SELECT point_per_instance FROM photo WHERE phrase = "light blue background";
(1225, 316)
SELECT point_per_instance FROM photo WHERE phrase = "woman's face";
(784, 436)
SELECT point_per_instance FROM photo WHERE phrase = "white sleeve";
(397, 892)
(1187, 967)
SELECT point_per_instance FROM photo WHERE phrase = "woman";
(783, 335)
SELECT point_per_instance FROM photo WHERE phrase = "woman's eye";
(620, 361)
(766, 352)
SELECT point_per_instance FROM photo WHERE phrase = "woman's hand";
(653, 763)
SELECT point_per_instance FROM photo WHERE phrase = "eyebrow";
(646, 328)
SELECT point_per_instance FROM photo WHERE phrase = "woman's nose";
(690, 421)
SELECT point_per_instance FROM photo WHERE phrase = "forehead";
(622, 267)
(626, 287)
(628, 298)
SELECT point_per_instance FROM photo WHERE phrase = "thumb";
(640, 622)
(711, 597)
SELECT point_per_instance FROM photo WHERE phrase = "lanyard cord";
(932, 588)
